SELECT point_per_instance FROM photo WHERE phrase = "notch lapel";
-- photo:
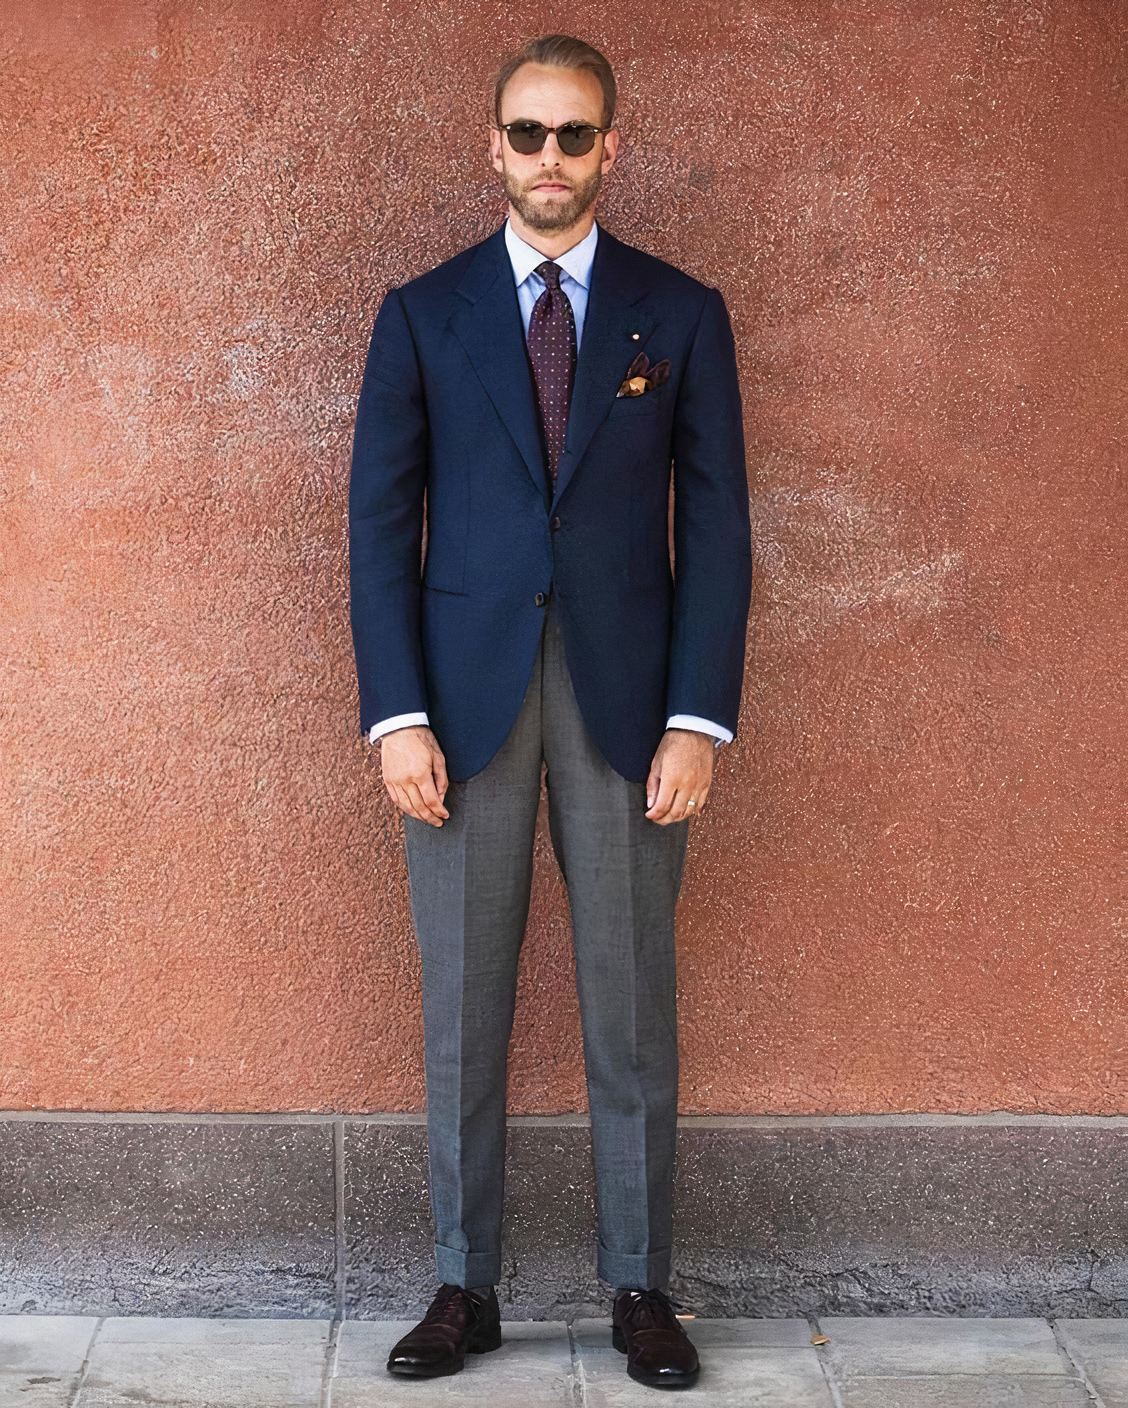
(606, 351)
(488, 325)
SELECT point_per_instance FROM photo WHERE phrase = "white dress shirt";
(575, 280)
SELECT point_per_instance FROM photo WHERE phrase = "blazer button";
(556, 522)
(540, 598)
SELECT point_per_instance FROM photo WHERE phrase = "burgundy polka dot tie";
(552, 352)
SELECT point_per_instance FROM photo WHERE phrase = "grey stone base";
(310, 1216)
(836, 1362)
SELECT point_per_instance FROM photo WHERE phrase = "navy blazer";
(447, 432)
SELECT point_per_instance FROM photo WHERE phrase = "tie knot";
(550, 273)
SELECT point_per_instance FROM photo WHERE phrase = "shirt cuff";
(399, 721)
(696, 725)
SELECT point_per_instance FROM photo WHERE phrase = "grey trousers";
(470, 885)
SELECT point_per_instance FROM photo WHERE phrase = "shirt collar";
(576, 263)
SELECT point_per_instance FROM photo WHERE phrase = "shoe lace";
(451, 1306)
(652, 1309)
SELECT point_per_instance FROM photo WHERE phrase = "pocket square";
(641, 377)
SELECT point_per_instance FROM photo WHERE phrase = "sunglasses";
(574, 138)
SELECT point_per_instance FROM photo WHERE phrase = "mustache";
(551, 181)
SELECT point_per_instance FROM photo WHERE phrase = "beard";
(560, 214)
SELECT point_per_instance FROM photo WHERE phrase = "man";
(527, 399)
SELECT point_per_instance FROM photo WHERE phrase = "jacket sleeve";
(386, 491)
(712, 533)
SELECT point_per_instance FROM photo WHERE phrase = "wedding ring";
(691, 804)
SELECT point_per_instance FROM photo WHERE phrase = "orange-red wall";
(908, 892)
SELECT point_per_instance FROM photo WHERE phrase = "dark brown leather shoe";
(456, 1324)
(659, 1352)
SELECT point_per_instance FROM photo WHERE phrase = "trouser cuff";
(467, 1268)
(650, 1272)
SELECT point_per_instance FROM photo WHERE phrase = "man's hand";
(681, 773)
(415, 773)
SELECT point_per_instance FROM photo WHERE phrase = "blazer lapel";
(488, 326)
(607, 349)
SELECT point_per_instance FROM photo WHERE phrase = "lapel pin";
(634, 336)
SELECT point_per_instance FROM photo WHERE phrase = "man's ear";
(495, 149)
(610, 150)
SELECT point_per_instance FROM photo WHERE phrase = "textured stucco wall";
(908, 892)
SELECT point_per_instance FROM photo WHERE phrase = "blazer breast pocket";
(631, 407)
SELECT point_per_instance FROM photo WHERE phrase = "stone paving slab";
(1100, 1347)
(532, 1369)
(182, 1363)
(142, 1329)
(41, 1390)
(750, 1363)
(36, 1342)
(765, 1334)
(744, 1377)
(968, 1391)
(914, 1345)
(41, 1357)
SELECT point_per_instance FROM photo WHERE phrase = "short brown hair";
(560, 51)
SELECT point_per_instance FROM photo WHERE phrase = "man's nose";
(550, 152)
